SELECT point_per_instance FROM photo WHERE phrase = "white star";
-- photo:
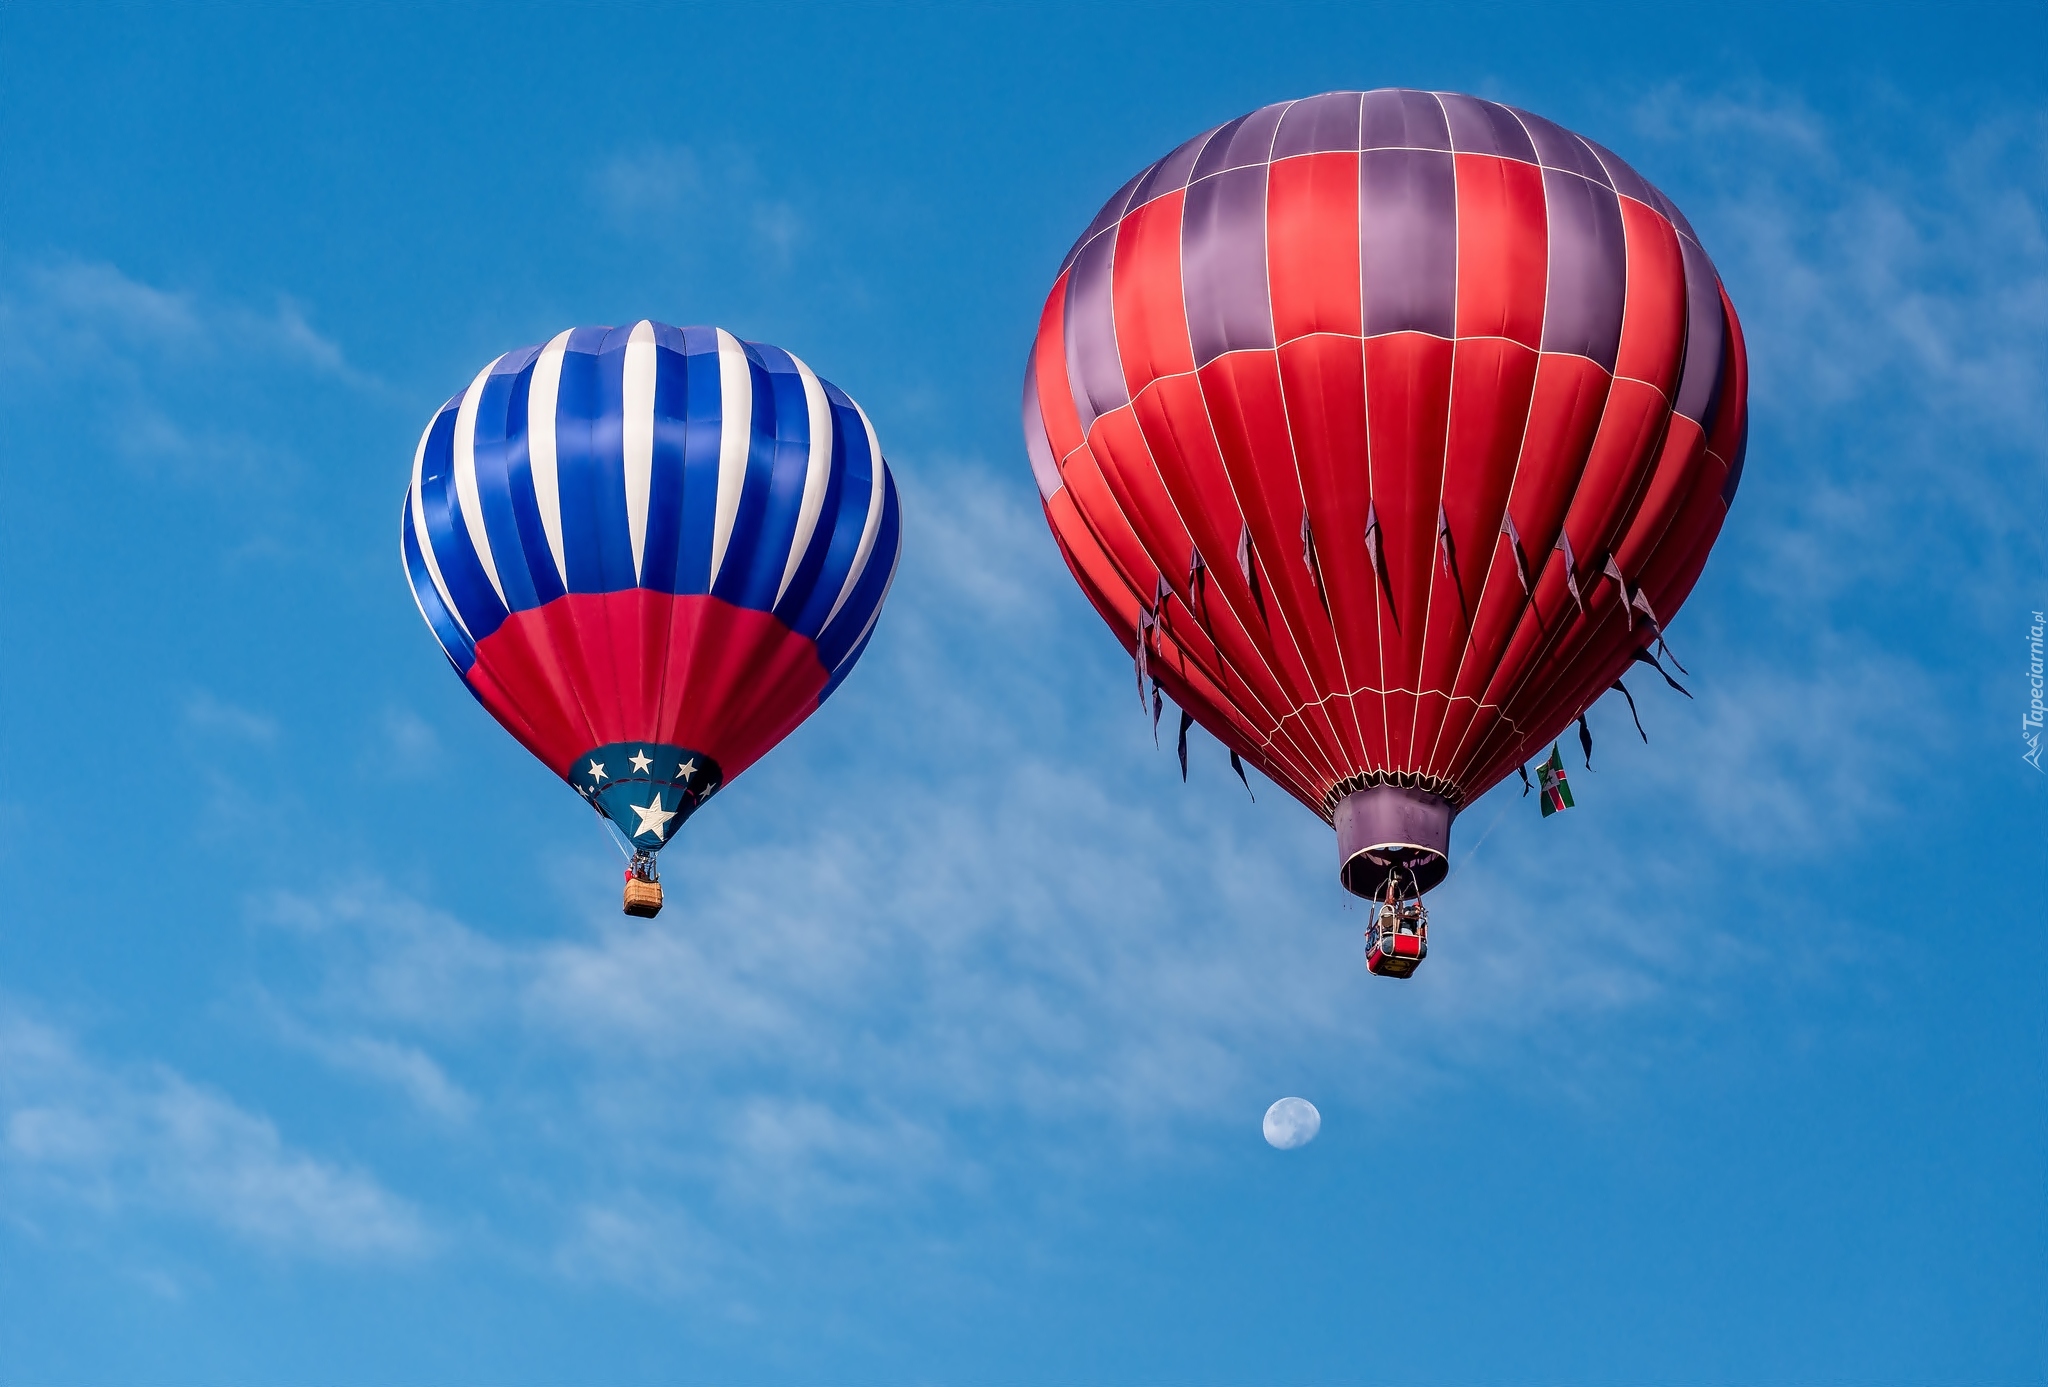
(641, 763)
(688, 768)
(596, 771)
(653, 818)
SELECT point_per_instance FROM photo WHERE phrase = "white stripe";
(541, 399)
(638, 429)
(419, 534)
(735, 437)
(471, 504)
(816, 477)
(873, 526)
(875, 615)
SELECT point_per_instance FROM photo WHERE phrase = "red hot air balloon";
(1385, 428)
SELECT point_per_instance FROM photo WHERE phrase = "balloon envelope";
(1388, 426)
(650, 552)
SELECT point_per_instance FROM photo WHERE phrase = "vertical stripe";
(1503, 249)
(735, 439)
(419, 527)
(636, 427)
(465, 479)
(1402, 119)
(1699, 384)
(1317, 125)
(540, 445)
(1151, 328)
(1559, 148)
(1408, 241)
(874, 613)
(1037, 445)
(1312, 231)
(1588, 268)
(1223, 264)
(816, 475)
(1092, 361)
(879, 474)
(1482, 127)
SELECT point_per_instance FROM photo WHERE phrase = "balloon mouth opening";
(1391, 835)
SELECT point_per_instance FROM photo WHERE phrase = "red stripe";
(1408, 398)
(1324, 381)
(1312, 245)
(1503, 249)
(1151, 324)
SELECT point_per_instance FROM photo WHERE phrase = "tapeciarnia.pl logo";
(2030, 725)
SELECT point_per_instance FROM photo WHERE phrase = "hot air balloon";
(650, 552)
(1386, 429)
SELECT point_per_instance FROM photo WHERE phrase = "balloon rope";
(618, 839)
(1498, 815)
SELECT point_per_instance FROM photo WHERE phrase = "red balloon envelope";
(1385, 428)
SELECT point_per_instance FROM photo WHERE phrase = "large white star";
(596, 771)
(653, 818)
(688, 768)
(640, 762)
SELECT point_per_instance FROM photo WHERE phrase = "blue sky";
(326, 1056)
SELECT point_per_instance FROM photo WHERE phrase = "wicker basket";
(643, 898)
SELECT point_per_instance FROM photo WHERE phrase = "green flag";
(1557, 794)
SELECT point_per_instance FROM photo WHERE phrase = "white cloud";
(677, 195)
(81, 1135)
(207, 714)
(1893, 292)
(70, 315)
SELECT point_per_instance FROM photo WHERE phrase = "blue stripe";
(493, 484)
(454, 644)
(545, 584)
(476, 602)
(845, 668)
(661, 558)
(736, 576)
(704, 418)
(836, 641)
(840, 524)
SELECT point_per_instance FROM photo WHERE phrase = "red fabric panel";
(1249, 413)
(1653, 316)
(1151, 324)
(1408, 395)
(1107, 526)
(1683, 451)
(1119, 449)
(1503, 249)
(1564, 413)
(1312, 245)
(1323, 380)
(1492, 381)
(1055, 393)
(1269, 677)
(592, 668)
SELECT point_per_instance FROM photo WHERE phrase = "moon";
(1292, 1122)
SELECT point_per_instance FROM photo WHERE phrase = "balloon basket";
(643, 898)
(1399, 939)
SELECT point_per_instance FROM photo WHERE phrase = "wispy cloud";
(208, 714)
(1014, 931)
(1893, 280)
(69, 315)
(82, 1136)
(679, 196)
